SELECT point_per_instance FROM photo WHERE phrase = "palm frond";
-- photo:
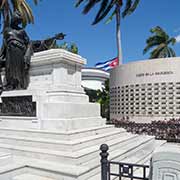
(172, 41)
(90, 5)
(130, 7)
(127, 7)
(149, 46)
(9, 6)
(133, 7)
(159, 32)
(101, 16)
(79, 2)
(28, 12)
(3, 3)
(172, 52)
(155, 39)
(111, 17)
(155, 53)
(164, 53)
(102, 8)
(162, 40)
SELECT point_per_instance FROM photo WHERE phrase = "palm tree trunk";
(118, 34)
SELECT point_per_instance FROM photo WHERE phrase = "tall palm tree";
(161, 42)
(7, 7)
(114, 6)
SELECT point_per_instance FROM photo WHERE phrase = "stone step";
(83, 176)
(140, 155)
(77, 157)
(7, 172)
(62, 145)
(5, 158)
(114, 145)
(58, 135)
(95, 173)
(88, 155)
(65, 124)
(133, 148)
(28, 176)
(41, 168)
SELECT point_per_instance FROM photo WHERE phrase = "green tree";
(104, 100)
(71, 48)
(102, 97)
(161, 42)
(7, 7)
(106, 7)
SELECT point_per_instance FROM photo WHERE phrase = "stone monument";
(166, 163)
(54, 98)
(48, 128)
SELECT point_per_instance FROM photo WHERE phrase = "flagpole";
(118, 35)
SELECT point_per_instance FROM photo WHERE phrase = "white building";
(146, 90)
(93, 78)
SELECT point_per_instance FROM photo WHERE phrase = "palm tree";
(7, 7)
(114, 6)
(161, 42)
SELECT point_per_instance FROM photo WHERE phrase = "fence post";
(104, 161)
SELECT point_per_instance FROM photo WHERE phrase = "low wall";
(146, 90)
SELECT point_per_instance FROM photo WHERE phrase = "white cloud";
(178, 39)
(177, 30)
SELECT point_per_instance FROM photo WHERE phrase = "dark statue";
(16, 51)
(16, 54)
(15, 57)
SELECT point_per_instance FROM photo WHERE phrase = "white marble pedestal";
(55, 88)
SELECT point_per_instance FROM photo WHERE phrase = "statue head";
(16, 18)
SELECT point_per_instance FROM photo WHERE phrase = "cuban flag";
(107, 65)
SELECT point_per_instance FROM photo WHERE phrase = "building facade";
(146, 90)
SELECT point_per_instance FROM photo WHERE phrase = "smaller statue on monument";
(16, 54)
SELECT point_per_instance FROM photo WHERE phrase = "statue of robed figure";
(16, 54)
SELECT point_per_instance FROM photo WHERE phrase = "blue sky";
(98, 43)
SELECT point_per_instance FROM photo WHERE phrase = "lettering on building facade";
(154, 73)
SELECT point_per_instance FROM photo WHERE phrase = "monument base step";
(5, 158)
(61, 145)
(57, 134)
(41, 152)
(28, 176)
(64, 124)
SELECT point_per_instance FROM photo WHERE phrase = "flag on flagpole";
(107, 65)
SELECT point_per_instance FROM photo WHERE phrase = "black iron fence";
(120, 170)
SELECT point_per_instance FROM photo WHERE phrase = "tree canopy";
(7, 7)
(107, 6)
(161, 42)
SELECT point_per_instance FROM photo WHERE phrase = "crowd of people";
(165, 130)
